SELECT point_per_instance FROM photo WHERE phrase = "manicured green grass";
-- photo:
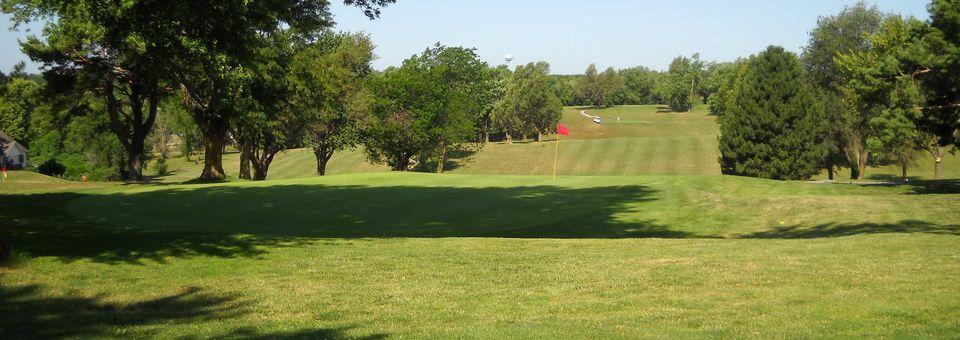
(422, 255)
(655, 243)
(29, 181)
(647, 140)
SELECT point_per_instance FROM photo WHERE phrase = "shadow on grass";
(38, 226)
(849, 229)
(33, 312)
(246, 221)
(921, 187)
(30, 312)
(937, 187)
(334, 333)
(235, 221)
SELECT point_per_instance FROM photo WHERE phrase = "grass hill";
(646, 140)
(29, 181)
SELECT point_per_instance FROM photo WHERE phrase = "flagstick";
(555, 155)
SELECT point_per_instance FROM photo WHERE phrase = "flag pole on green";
(561, 131)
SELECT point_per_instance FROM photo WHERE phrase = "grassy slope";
(646, 140)
(318, 257)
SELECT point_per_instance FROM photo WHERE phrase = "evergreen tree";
(771, 130)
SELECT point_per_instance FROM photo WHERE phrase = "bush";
(52, 168)
(161, 166)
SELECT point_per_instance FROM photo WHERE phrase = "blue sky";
(572, 34)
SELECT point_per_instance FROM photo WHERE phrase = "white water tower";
(508, 58)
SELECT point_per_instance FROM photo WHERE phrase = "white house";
(12, 154)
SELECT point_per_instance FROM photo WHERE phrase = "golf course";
(639, 235)
(396, 169)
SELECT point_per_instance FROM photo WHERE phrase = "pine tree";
(771, 129)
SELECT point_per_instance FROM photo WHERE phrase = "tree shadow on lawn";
(937, 187)
(314, 211)
(849, 229)
(37, 225)
(240, 221)
(918, 186)
(246, 221)
(31, 311)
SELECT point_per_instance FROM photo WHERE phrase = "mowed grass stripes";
(647, 140)
(682, 155)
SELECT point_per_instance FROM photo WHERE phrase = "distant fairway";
(648, 140)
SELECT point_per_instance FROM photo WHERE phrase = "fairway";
(425, 255)
(648, 140)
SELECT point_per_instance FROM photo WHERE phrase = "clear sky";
(572, 34)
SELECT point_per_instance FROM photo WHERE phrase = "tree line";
(688, 81)
(869, 88)
(123, 82)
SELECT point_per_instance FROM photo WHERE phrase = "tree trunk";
(212, 157)
(509, 138)
(134, 165)
(539, 136)
(260, 171)
(862, 158)
(261, 165)
(402, 165)
(323, 156)
(938, 168)
(245, 160)
(5, 251)
(830, 171)
(443, 157)
(903, 170)
(858, 157)
(524, 136)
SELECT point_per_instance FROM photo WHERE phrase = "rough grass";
(421, 255)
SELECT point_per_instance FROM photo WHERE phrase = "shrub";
(52, 168)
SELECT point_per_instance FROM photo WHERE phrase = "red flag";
(562, 129)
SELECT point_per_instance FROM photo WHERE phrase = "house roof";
(8, 144)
